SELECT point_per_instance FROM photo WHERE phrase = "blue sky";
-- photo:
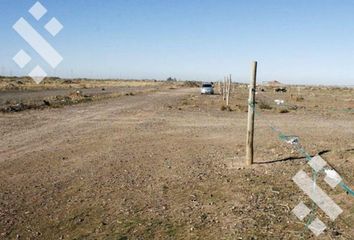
(294, 41)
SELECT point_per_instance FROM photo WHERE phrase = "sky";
(294, 41)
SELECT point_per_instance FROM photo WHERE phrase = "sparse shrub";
(299, 99)
(280, 89)
(185, 102)
(225, 108)
(293, 108)
(264, 105)
(241, 108)
(283, 110)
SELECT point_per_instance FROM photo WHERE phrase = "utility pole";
(251, 113)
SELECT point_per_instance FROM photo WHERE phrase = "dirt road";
(165, 165)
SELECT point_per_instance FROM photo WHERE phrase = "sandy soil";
(169, 165)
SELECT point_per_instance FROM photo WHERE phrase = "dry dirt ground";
(169, 165)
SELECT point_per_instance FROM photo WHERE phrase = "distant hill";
(273, 83)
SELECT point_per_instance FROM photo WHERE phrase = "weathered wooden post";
(224, 90)
(251, 113)
(227, 91)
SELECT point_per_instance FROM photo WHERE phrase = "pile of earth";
(55, 102)
(191, 84)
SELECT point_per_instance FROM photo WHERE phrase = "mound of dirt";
(54, 102)
(68, 81)
(191, 84)
(12, 86)
(19, 107)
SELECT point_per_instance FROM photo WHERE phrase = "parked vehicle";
(207, 88)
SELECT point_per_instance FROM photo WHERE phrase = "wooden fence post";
(251, 113)
(224, 90)
(227, 91)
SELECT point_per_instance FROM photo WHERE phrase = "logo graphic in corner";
(317, 195)
(38, 43)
